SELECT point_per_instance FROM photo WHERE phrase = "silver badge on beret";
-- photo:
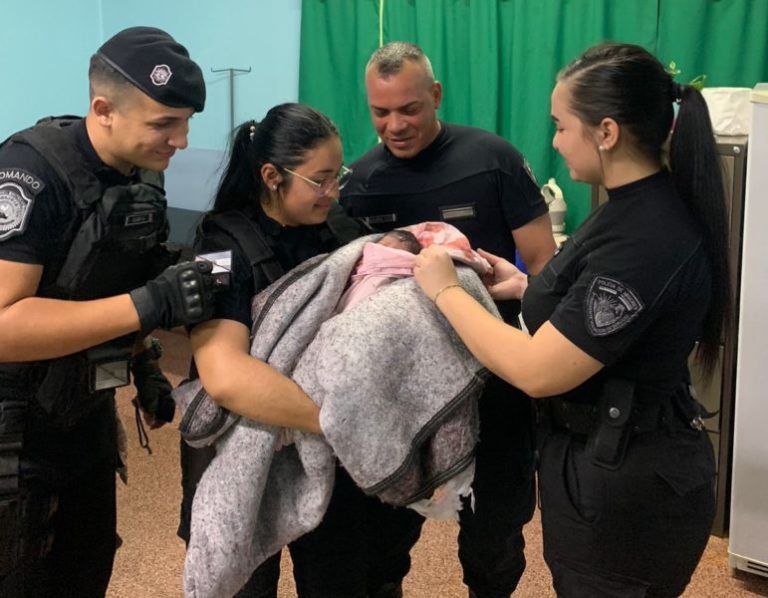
(161, 74)
(610, 305)
(14, 209)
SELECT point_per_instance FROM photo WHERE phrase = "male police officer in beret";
(85, 277)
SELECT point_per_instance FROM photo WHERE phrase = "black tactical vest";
(113, 245)
(117, 240)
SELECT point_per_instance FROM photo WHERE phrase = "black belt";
(581, 417)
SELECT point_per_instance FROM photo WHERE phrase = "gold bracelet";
(445, 288)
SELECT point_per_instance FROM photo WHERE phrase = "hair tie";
(252, 130)
(678, 90)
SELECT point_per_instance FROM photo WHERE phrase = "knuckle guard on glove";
(181, 295)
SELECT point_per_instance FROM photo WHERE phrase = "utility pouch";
(108, 367)
(128, 220)
(607, 444)
(73, 386)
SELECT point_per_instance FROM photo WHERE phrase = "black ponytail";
(241, 184)
(697, 172)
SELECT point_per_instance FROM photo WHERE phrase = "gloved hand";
(153, 390)
(182, 294)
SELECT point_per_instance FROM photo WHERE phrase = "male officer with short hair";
(86, 276)
(426, 169)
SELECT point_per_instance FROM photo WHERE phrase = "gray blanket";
(397, 391)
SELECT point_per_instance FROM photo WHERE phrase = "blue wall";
(44, 59)
(47, 44)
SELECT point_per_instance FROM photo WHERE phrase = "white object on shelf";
(553, 195)
(729, 109)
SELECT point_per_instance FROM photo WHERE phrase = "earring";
(274, 187)
(602, 148)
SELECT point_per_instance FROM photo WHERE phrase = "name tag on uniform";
(458, 212)
(139, 218)
(380, 219)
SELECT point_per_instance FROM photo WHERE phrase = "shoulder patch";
(529, 171)
(15, 206)
(610, 306)
(26, 180)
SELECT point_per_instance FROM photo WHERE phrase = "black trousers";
(83, 530)
(491, 543)
(331, 561)
(635, 532)
(69, 522)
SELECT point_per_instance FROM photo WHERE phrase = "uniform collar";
(428, 152)
(641, 186)
(266, 224)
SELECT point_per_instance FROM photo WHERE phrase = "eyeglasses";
(330, 186)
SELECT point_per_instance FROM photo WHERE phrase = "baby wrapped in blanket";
(383, 261)
(397, 391)
(389, 259)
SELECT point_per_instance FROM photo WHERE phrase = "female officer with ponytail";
(626, 471)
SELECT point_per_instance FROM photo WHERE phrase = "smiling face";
(574, 140)
(140, 132)
(297, 200)
(404, 107)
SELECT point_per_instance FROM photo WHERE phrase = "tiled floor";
(150, 563)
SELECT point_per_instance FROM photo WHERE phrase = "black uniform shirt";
(467, 176)
(291, 246)
(631, 286)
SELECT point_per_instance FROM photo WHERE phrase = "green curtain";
(337, 38)
(498, 59)
(727, 40)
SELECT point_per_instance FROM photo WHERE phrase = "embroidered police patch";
(160, 75)
(28, 181)
(14, 210)
(610, 305)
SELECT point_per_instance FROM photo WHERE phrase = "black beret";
(158, 65)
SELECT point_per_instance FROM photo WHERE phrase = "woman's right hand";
(508, 281)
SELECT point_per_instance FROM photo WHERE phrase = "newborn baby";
(385, 261)
(401, 239)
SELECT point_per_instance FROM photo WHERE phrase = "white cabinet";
(748, 546)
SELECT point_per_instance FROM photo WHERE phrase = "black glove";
(153, 390)
(181, 295)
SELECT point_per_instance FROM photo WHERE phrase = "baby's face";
(393, 242)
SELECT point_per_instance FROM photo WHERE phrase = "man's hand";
(181, 295)
(153, 390)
